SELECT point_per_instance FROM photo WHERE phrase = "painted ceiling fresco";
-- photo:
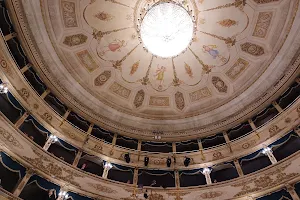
(226, 67)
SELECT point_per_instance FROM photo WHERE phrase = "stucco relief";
(120, 90)
(69, 14)
(5, 66)
(159, 101)
(263, 24)
(179, 100)
(219, 84)
(252, 49)
(200, 94)
(274, 177)
(87, 60)
(75, 40)
(24, 93)
(212, 194)
(139, 98)
(102, 78)
(237, 69)
(44, 164)
(10, 139)
(102, 188)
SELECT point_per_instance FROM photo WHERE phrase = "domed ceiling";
(96, 62)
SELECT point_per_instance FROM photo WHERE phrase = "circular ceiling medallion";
(166, 29)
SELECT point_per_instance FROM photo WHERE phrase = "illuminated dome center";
(167, 30)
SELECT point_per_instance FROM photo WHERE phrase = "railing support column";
(23, 182)
(293, 193)
(10, 36)
(21, 120)
(268, 152)
(277, 106)
(238, 167)
(77, 158)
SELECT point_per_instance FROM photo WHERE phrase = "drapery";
(12, 165)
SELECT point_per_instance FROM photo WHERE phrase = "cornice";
(46, 165)
(31, 49)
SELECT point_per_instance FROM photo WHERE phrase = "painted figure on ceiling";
(114, 46)
(160, 73)
(211, 50)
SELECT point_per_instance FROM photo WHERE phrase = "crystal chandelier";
(166, 28)
(3, 88)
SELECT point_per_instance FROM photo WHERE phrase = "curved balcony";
(82, 127)
(86, 152)
(56, 173)
(211, 149)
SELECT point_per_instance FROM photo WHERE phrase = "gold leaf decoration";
(271, 179)
(46, 165)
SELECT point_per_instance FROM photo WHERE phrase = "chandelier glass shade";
(167, 29)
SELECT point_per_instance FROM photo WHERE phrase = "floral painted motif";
(134, 67)
(188, 70)
(228, 23)
(104, 16)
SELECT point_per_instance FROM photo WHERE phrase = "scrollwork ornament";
(5, 66)
(36, 106)
(98, 148)
(247, 145)
(24, 93)
(274, 130)
(8, 138)
(46, 165)
(212, 194)
(47, 117)
(102, 188)
(271, 179)
(156, 197)
(218, 155)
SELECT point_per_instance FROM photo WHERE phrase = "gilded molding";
(270, 179)
(44, 164)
